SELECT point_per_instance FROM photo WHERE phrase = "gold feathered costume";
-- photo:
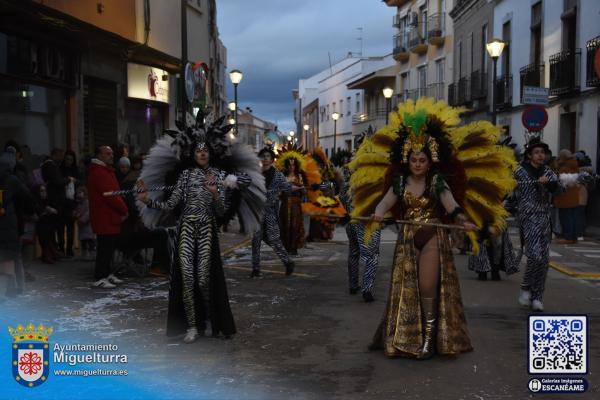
(480, 172)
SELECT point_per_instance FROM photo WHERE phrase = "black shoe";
(496, 275)
(482, 276)
(354, 290)
(255, 273)
(368, 297)
(289, 268)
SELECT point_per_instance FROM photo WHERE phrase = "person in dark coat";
(56, 185)
(107, 213)
(66, 220)
(12, 192)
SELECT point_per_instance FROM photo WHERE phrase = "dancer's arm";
(173, 200)
(384, 205)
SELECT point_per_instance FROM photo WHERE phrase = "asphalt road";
(305, 337)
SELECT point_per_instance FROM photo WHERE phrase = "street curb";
(233, 248)
(574, 274)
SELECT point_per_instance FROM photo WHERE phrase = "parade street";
(304, 336)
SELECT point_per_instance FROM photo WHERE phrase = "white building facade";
(552, 44)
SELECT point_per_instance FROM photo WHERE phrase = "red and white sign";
(148, 83)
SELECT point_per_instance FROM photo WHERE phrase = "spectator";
(107, 213)
(70, 171)
(123, 169)
(56, 186)
(567, 201)
(82, 214)
(12, 192)
(588, 185)
(44, 226)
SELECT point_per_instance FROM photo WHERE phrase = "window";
(471, 52)
(422, 71)
(348, 104)
(506, 52)
(439, 70)
(327, 112)
(459, 60)
(423, 22)
(334, 109)
(341, 108)
(483, 50)
(536, 33)
(357, 102)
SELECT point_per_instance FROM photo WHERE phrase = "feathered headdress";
(478, 171)
(174, 152)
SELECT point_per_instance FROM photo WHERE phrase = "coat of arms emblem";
(30, 354)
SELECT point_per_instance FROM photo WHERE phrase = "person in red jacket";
(106, 214)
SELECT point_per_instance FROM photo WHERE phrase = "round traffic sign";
(534, 118)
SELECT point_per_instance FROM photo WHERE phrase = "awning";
(384, 75)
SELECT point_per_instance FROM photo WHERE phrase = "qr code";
(558, 344)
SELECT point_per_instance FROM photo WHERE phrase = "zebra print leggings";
(194, 250)
(537, 235)
(369, 255)
(269, 232)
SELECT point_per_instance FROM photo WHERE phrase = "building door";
(99, 113)
(568, 131)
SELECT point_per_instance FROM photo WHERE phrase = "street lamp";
(387, 93)
(231, 106)
(494, 49)
(305, 137)
(335, 117)
(236, 77)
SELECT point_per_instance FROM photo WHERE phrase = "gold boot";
(429, 310)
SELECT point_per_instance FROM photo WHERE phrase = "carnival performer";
(324, 201)
(535, 183)
(275, 183)
(408, 158)
(198, 296)
(301, 172)
(358, 250)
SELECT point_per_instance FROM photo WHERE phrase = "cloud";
(275, 43)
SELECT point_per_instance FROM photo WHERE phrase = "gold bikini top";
(421, 208)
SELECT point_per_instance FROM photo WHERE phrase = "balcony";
(452, 95)
(564, 72)
(503, 92)
(374, 118)
(479, 85)
(592, 76)
(396, 21)
(436, 29)
(396, 3)
(416, 42)
(532, 75)
(400, 52)
(464, 91)
(436, 90)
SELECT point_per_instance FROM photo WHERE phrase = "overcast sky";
(276, 42)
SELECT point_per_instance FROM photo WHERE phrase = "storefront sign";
(535, 95)
(148, 83)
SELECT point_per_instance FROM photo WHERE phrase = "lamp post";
(335, 117)
(236, 77)
(387, 93)
(305, 138)
(231, 107)
(292, 138)
(494, 49)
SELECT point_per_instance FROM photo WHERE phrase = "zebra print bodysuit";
(533, 206)
(269, 231)
(196, 229)
(358, 250)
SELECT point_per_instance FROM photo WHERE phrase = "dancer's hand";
(543, 180)
(470, 227)
(143, 195)
(376, 217)
(211, 185)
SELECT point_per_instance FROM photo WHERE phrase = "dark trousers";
(69, 223)
(106, 247)
(568, 222)
(580, 221)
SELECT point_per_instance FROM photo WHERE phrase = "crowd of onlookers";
(44, 201)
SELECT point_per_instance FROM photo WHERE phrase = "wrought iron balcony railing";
(592, 76)
(400, 51)
(464, 91)
(479, 85)
(436, 90)
(436, 28)
(564, 72)
(452, 94)
(372, 114)
(503, 92)
(532, 75)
